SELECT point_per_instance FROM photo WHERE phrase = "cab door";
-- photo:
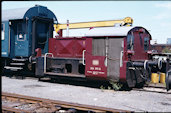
(104, 57)
(95, 58)
(21, 41)
(114, 57)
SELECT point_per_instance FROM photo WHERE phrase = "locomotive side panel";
(5, 39)
(66, 58)
(67, 47)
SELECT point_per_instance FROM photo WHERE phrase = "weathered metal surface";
(114, 58)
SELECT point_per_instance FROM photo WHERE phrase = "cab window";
(130, 42)
(141, 39)
(2, 31)
(20, 32)
(146, 43)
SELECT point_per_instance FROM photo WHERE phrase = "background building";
(162, 48)
(168, 40)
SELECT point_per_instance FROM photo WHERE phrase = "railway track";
(153, 89)
(26, 104)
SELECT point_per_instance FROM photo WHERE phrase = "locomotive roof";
(110, 31)
(21, 13)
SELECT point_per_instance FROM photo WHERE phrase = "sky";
(155, 16)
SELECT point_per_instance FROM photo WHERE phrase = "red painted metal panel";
(67, 47)
(79, 46)
(139, 52)
(138, 48)
(95, 66)
(64, 48)
(52, 46)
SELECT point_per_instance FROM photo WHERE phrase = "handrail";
(45, 60)
(83, 57)
(121, 61)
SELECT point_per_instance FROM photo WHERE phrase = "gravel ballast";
(126, 100)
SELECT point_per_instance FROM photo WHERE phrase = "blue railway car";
(23, 31)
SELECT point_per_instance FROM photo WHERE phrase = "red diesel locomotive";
(119, 54)
(106, 52)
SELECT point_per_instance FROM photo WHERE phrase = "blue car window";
(2, 31)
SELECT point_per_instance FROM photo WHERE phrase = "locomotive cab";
(138, 44)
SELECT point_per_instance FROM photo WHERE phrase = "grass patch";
(116, 86)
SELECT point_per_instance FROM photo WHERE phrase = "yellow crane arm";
(123, 22)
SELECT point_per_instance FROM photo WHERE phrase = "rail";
(153, 88)
(20, 103)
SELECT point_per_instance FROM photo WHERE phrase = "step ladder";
(16, 64)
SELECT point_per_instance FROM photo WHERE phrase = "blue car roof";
(12, 14)
(22, 13)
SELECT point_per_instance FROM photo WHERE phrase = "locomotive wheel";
(140, 85)
(39, 78)
(130, 76)
(29, 66)
(140, 77)
(137, 77)
(168, 80)
(145, 74)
